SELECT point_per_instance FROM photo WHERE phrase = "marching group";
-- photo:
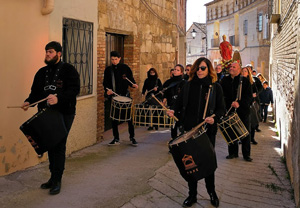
(202, 94)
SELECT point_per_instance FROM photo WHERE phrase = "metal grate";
(78, 51)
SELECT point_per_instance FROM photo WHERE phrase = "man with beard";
(59, 83)
(117, 78)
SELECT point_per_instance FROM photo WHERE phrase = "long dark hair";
(211, 72)
(154, 70)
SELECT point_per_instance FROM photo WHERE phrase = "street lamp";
(194, 32)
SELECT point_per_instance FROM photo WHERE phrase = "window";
(78, 51)
(245, 27)
(260, 22)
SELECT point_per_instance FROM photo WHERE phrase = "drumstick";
(129, 81)
(113, 92)
(30, 104)
(164, 107)
(206, 104)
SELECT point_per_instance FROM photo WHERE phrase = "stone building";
(245, 24)
(148, 33)
(195, 42)
(284, 77)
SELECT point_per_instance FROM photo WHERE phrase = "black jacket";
(121, 72)
(149, 84)
(191, 103)
(67, 87)
(173, 86)
(230, 90)
(266, 96)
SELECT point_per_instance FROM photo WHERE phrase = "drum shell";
(153, 115)
(121, 110)
(201, 157)
(232, 128)
(45, 130)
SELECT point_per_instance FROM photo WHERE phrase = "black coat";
(67, 87)
(149, 84)
(191, 103)
(121, 72)
(266, 96)
(173, 86)
(230, 89)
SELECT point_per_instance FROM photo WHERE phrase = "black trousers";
(57, 155)
(209, 183)
(115, 124)
(233, 149)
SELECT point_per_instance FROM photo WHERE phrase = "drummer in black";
(191, 103)
(230, 85)
(172, 87)
(61, 79)
(115, 80)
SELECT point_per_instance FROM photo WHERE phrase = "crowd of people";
(201, 95)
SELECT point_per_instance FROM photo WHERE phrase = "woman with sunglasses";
(191, 103)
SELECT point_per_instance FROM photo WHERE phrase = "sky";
(196, 12)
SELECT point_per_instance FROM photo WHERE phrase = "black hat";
(54, 45)
(115, 54)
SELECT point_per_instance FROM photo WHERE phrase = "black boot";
(214, 199)
(47, 185)
(55, 189)
(188, 202)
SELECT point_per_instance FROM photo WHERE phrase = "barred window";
(78, 51)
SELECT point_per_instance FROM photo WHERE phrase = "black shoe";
(188, 202)
(230, 156)
(214, 199)
(47, 185)
(150, 128)
(254, 142)
(133, 142)
(156, 128)
(258, 130)
(248, 159)
(235, 156)
(55, 189)
(114, 142)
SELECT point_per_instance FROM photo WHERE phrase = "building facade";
(148, 33)
(284, 77)
(245, 24)
(195, 42)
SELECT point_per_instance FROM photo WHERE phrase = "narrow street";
(145, 176)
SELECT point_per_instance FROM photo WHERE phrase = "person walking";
(266, 97)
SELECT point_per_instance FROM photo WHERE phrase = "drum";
(151, 115)
(44, 130)
(121, 108)
(194, 155)
(232, 128)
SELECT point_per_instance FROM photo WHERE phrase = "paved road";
(146, 176)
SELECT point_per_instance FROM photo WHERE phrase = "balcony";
(215, 42)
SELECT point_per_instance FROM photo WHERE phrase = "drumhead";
(122, 99)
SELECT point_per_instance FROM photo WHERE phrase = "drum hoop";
(189, 135)
(122, 99)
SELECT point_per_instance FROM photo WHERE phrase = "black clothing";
(67, 88)
(121, 72)
(266, 96)
(149, 84)
(120, 86)
(174, 86)
(191, 103)
(230, 89)
(186, 77)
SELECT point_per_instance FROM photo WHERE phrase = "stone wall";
(285, 85)
(151, 40)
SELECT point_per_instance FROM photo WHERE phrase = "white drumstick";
(129, 81)
(113, 92)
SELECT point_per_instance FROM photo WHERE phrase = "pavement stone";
(147, 177)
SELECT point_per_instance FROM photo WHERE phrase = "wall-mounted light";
(194, 32)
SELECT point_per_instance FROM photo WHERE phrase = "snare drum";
(194, 155)
(121, 108)
(44, 130)
(151, 115)
(232, 128)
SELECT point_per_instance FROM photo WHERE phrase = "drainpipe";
(48, 7)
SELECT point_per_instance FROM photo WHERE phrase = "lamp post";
(194, 33)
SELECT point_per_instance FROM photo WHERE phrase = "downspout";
(48, 7)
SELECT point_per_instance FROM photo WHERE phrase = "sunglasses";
(202, 68)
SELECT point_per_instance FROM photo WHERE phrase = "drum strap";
(113, 81)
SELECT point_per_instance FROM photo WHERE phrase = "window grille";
(78, 51)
